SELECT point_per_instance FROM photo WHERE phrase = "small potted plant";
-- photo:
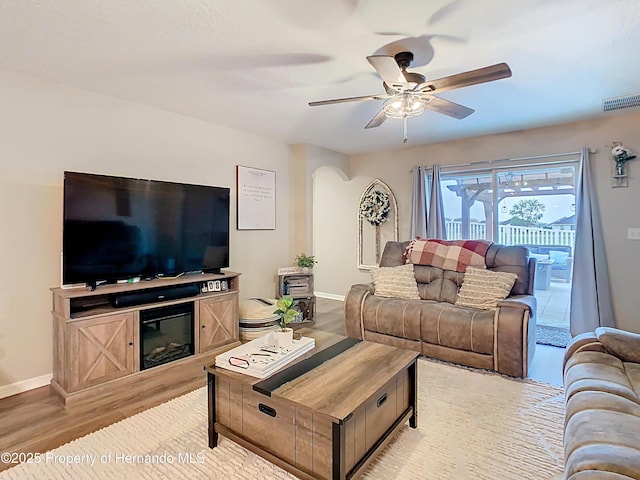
(305, 262)
(287, 313)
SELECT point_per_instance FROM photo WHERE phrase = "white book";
(261, 357)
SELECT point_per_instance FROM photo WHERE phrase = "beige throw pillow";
(483, 288)
(398, 282)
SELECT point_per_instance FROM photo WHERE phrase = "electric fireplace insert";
(166, 334)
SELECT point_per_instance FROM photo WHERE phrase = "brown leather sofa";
(602, 393)
(502, 340)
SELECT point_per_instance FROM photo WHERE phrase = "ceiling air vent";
(621, 103)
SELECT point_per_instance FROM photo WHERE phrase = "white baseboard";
(330, 296)
(25, 385)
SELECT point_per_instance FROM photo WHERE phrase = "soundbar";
(131, 299)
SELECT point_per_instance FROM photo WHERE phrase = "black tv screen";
(117, 228)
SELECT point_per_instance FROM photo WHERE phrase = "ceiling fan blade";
(472, 77)
(388, 69)
(377, 120)
(447, 107)
(348, 99)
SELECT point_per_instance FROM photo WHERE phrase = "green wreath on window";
(375, 208)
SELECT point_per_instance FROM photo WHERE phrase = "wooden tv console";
(96, 346)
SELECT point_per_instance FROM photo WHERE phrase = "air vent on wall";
(621, 103)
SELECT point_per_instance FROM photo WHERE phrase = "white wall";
(335, 226)
(46, 128)
(307, 161)
(618, 206)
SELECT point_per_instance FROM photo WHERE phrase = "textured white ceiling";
(254, 64)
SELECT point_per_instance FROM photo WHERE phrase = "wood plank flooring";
(36, 421)
(330, 316)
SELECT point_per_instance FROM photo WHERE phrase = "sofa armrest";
(523, 302)
(583, 342)
(624, 345)
(515, 335)
(353, 308)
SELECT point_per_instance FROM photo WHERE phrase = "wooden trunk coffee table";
(324, 416)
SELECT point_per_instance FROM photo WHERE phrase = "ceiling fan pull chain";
(404, 127)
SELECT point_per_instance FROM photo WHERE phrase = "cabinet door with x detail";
(100, 349)
(217, 321)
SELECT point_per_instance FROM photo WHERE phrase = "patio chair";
(560, 255)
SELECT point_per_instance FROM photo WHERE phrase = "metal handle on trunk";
(267, 409)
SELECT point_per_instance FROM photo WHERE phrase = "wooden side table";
(299, 286)
(543, 274)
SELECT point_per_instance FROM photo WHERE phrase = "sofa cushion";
(450, 285)
(512, 259)
(484, 288)
(602, 441)
(468, 329)
(393, 316)
(597, 372)
(633, 372)
(397, 282)
(437, 284)
(625, 345)
(429, 281)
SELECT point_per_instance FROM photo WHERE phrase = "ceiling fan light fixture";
(404, 105)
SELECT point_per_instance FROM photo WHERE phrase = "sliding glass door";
(520, 204)
(468, 205)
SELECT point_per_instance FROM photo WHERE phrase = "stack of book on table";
(262, 357)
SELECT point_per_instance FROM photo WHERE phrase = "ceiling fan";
(408, 94)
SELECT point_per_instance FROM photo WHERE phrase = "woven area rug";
(554, 336)
(471, 425)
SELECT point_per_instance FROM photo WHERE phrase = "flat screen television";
(117, 228)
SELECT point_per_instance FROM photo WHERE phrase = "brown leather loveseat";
(602, 394)
(501, 340)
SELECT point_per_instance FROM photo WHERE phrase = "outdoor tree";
(530, 211)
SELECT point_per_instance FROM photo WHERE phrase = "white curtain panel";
(590, 293)
(418, 227)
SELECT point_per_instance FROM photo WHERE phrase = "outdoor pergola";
(510, 185)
